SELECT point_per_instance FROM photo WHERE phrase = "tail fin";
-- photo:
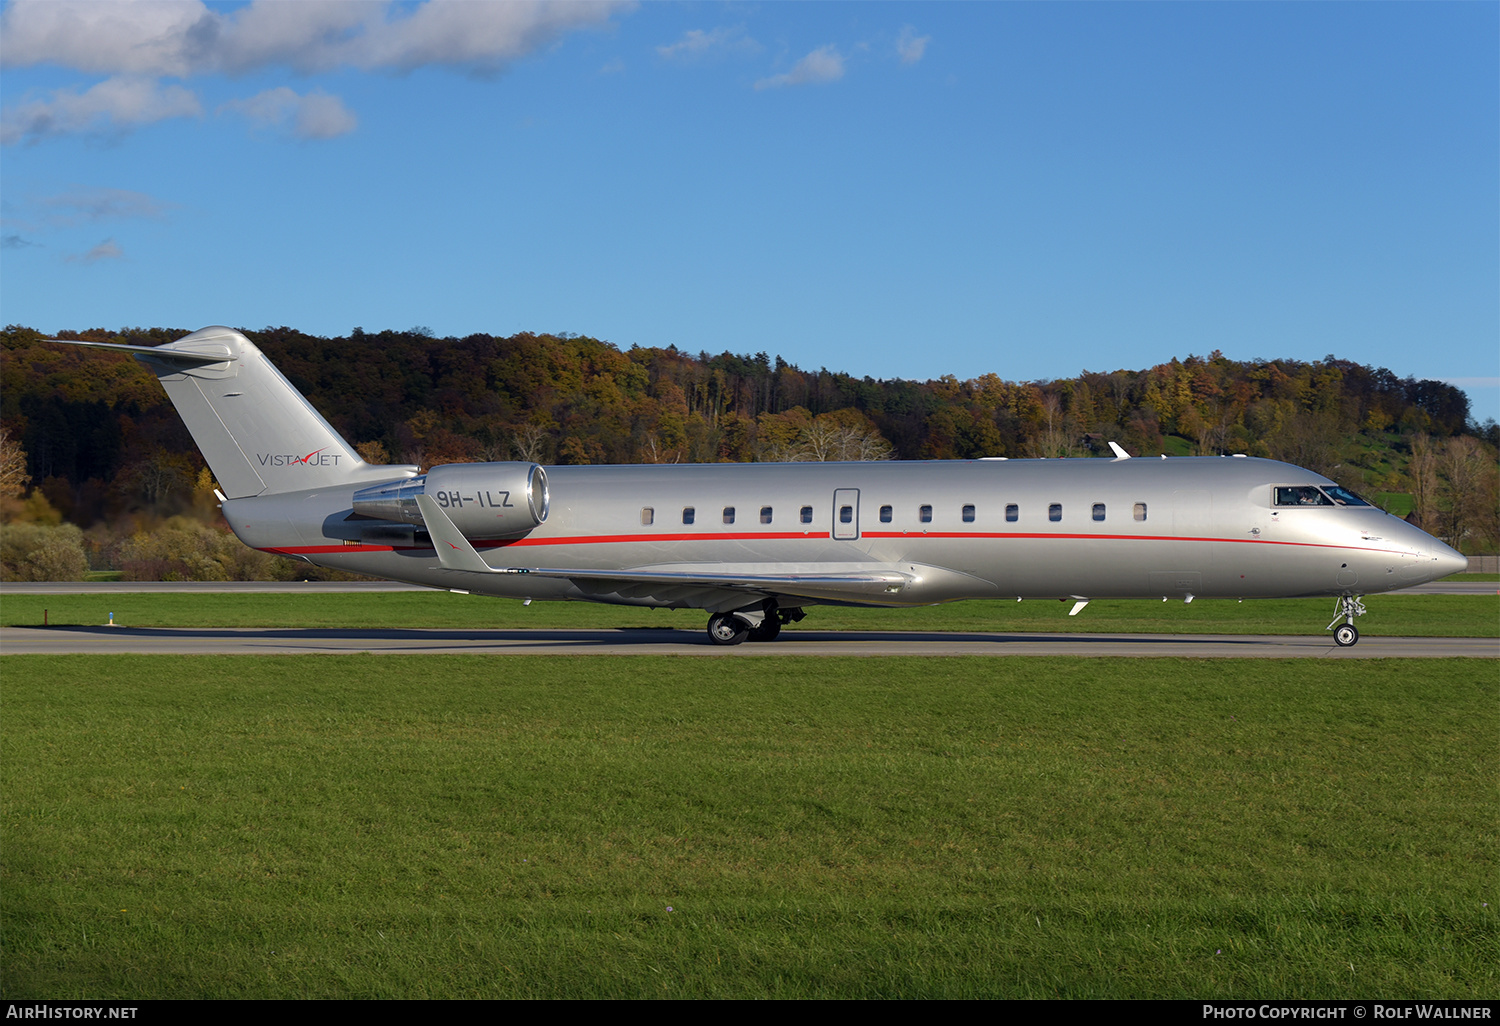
(258, 434)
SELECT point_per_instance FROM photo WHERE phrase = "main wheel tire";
(727, 629)
(1345, 634)
(767, 631)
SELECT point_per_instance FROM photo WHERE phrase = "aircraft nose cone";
(1449, 561)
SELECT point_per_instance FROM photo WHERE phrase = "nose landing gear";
(1346, 634)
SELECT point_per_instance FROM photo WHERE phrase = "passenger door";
(846, 514)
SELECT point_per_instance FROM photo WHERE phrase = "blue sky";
(896, 190)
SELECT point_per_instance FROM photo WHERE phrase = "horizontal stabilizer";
(202, 356)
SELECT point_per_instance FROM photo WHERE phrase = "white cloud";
(824, 64)
(613, 66)
(106, 250)
(140, 38)
(910, 46)
(182, 38)
(481, 37)
(314, 116)
(321, 116)
(1472, 382)
(695, 43)
(139, 42)
(113, 106)
(83, 206)
(79, 205)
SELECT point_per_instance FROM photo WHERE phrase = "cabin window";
(648, 516)
(728, 514)
(885, 514)
(846, 514)
(924, 514)
(1140, 511)
(687, 514)
(1054, 512)
(1012, 513)
(1098, 511)
(968, 514)
(765, 514)
(807, 514)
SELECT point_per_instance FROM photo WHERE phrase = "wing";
(669, 585)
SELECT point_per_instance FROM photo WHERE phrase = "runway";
(70, 640)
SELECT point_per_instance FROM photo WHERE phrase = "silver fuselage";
(1083, 528)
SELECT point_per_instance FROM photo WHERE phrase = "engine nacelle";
(484, 500)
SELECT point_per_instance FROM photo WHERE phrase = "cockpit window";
(1343, 496)
(1301, 495)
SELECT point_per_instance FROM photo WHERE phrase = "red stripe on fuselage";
(621, 539)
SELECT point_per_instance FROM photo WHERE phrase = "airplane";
(756, 544)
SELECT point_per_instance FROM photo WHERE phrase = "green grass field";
(435, 826)
(1390, 615)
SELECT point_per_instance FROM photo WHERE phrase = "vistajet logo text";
(316, 458)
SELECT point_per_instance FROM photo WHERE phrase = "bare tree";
(652, 451)
(826, 440)
(1422, 469)
(1054, 440)
(1211, 428)
(13, 476)
(159, 474)
(1468, 488)
(530, 443)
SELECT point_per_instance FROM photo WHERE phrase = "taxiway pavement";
(666, 641)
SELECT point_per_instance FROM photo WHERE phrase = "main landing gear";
(727, 629)
(750, 625)
(1346, 634)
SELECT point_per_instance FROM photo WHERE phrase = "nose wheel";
(1346, 634)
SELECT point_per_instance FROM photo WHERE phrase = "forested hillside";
(90, 439)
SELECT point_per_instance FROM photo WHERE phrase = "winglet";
(1120, 453)
(453, 549)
